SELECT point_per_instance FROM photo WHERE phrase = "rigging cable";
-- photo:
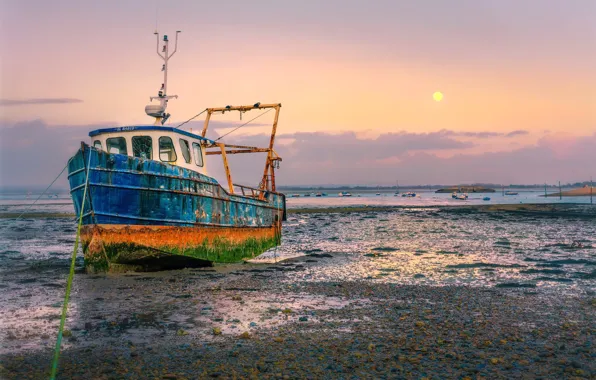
(242, 125)
(195, 116)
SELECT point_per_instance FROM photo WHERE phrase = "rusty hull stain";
(105, 245)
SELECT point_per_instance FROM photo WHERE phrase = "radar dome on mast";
(158, 111)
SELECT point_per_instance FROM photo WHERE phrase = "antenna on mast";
(158, 111)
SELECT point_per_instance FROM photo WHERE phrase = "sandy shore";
(581, 192)
(247, 321)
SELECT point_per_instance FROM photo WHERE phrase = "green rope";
(70, 277)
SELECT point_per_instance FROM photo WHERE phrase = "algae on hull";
(118, 257)
(168, 247)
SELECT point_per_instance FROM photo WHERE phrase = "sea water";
(423, 244)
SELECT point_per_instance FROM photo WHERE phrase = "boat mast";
(159, 111)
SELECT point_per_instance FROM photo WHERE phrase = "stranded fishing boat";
(148, 202)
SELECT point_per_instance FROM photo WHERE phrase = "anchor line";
(41, 195)
(103, 246)
(277, 229)
(70, 278)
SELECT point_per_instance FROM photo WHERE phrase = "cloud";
(480, 135)
(33, 153)
(518, 132)
(21, 102)
(322, 158)
(483, 135)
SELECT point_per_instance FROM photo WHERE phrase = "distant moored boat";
(460, 196)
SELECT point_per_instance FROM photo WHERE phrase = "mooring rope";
(41, 195)
(277, 227)
(70, 277)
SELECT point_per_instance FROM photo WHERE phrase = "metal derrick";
(271, 163)
(159, 112)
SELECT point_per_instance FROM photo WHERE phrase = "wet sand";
(248, 321)
(546, 209)
(538, 209)
(492, 291)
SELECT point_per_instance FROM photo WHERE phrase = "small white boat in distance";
(460, 196)
(344, 194)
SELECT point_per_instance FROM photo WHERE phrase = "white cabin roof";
(166, 144)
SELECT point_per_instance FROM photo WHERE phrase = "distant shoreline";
(465, 189)
(548, 209)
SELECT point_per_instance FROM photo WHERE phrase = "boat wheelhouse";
(165, 144)
(147, 201)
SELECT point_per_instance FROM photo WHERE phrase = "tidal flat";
(404, 293)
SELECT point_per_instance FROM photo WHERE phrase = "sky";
(355, 79)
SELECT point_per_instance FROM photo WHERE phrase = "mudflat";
(498, 291)
(246, 321)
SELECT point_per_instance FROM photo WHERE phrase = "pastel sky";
(355, 78)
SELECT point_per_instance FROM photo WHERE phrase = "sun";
(438, 96)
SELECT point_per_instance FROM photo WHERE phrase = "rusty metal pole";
(226, 167)
(272, 177)
(274, 126)
(206, 124)
(264, 182)
(271, 142)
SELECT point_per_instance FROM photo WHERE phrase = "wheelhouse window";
(116, 145)
(185, 149)
(167, 153)
(198, 154)
(97, 144)
(142, 147)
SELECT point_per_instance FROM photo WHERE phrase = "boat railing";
(248, 191)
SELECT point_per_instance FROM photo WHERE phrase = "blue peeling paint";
(130, 190)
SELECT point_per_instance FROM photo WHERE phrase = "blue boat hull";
(134, 205)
